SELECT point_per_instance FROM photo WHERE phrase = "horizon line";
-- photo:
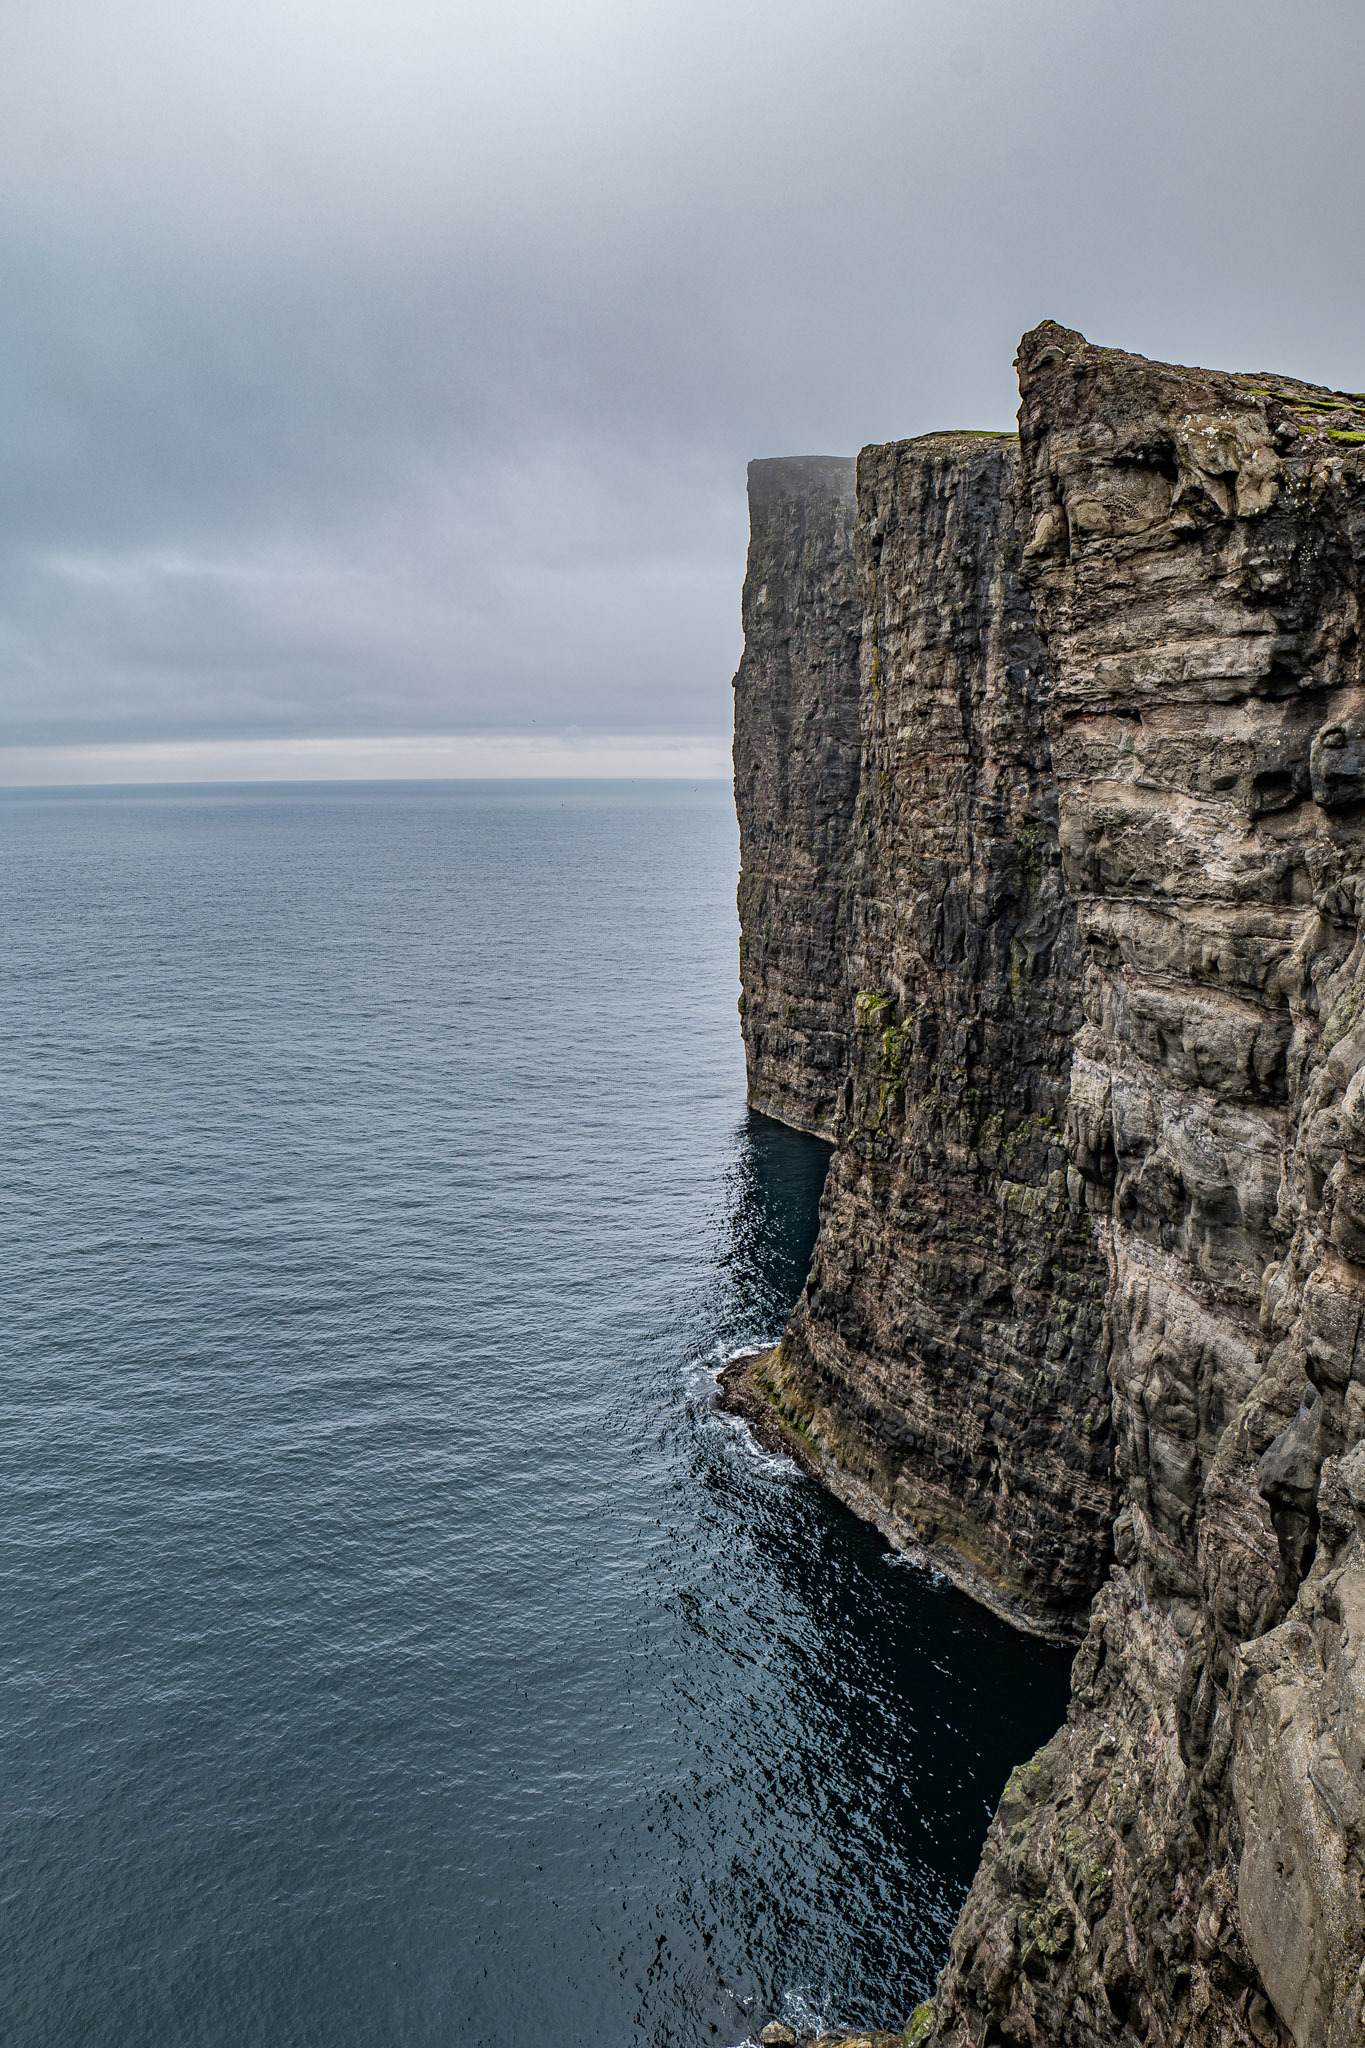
(565, 756)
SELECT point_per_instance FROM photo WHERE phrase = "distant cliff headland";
(1050, 770)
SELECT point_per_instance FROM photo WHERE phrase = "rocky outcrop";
(796, 782)
(778, 2035)
(1184, 1862)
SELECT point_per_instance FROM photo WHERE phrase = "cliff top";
(1053, 355)
(947, 437)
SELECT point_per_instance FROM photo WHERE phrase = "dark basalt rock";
(947, 1360)
(1148, 618)
(796, 783)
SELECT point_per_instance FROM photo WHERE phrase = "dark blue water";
(396, 1649)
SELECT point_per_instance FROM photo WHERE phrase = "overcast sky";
(378, 376)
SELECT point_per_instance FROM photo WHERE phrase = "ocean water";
(397, 1650)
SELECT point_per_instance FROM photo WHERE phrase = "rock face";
(796, 782)
(947, 1357)
(1184, 1862)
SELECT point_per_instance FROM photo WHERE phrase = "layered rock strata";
(946, 1360)
(1184, 1863)
(796, 782)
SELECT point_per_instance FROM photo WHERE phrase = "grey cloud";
(395, 368)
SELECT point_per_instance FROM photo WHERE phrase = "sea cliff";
(1084, 1014)
(797, 748)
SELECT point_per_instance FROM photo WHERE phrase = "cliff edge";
(1085, 1307)
(796, 783)
(946, 1362)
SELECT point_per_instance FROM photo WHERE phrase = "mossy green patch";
(1298, 402)
(920, 2024)
(1045, 1930)
(869, 1008)
(1023, 1782)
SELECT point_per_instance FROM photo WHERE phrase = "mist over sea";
(396, 1649)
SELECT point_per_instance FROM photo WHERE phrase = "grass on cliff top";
(951, 434)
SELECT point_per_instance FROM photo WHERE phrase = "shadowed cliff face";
(1176, 980)
(947, 1358)
(796, 781)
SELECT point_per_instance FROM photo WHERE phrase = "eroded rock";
(1099, 1190)
(1204, 721)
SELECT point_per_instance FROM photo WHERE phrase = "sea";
(397, 1650)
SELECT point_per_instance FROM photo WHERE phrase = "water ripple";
(398, 1648)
